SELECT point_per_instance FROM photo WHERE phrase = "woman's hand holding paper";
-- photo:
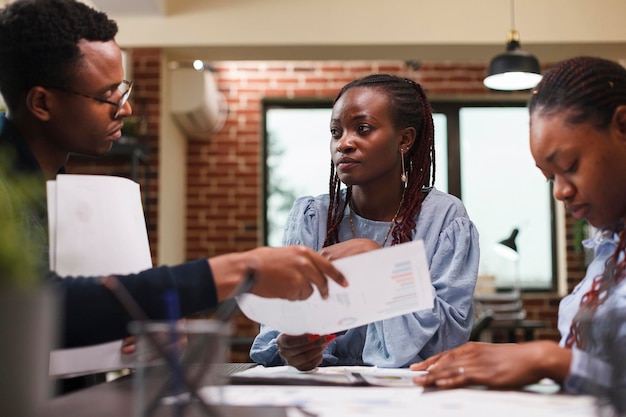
(303, 352)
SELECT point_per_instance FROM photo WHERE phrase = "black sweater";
(90, 313)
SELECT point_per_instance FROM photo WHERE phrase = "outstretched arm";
(288, 272)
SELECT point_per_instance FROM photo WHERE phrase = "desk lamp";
(507, 248)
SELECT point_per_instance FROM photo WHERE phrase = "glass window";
(292, 133)
(503, 190)
(297, 162)
(490, 168)
(441, 151)
(482, 156)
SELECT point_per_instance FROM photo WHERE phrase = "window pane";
(298, 162)
(503, 190)
(441, 151)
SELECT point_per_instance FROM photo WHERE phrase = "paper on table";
(344, 375)
(97, 227)
(384, 283)
(403, 401)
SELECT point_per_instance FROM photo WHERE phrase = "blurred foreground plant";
(19, 259)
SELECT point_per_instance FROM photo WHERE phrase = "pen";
(173, 314)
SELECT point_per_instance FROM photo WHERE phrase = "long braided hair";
(587, 90)
(409, 108)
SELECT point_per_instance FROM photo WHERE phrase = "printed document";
(383, 283)
(328, 375)
(335, 401)
(97, 227)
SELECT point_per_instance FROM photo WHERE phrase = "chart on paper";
(384, 283)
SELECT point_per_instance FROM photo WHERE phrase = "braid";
(589, 88)
(335, 208)
(410, 108)
(421, 162)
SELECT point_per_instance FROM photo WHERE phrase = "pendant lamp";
(514, 69)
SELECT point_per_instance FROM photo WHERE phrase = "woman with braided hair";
(578, 141)
(382, 149)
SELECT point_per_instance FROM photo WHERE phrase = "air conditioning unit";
(196, 104)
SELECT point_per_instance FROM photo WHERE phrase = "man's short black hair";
(39, 43)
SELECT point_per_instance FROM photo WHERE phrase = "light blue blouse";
(599, 369)
(452, 250)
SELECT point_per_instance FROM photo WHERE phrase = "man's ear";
(38, 101)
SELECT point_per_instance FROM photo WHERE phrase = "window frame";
(280, 103)
(450, 107)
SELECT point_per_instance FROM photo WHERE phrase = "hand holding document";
(384, 283)
(97, 227)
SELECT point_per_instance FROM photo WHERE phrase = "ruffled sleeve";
(306, 223)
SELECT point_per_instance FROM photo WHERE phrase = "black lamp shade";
(514, 61)
(508, 247)
(514, 69)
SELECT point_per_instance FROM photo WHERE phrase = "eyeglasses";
(124, 89)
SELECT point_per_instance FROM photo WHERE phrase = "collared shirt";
(599, 368)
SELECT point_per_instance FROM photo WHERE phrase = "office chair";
(481, 323)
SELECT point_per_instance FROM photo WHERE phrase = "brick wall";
(224, 171)
(145, 101)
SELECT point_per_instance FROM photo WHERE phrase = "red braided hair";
(410, 108)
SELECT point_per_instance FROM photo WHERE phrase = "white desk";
(116, 399)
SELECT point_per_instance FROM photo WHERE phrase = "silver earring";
(404, 176)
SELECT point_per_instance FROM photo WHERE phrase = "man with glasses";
(62, 79)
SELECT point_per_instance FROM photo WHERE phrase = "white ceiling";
(443, 30)
(131, 7)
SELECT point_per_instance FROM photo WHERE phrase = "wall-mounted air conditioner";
(196, 104)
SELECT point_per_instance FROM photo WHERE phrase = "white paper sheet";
(373, 375)
(384, 283)
(97, 227)
(403, 401)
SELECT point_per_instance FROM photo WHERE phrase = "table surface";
(116, 399)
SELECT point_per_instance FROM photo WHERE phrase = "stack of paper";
(328, 375)
(97, 227)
